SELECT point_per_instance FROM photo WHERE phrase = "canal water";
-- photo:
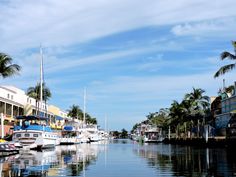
(121, 158)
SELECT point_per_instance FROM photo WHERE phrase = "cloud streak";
(64, 23)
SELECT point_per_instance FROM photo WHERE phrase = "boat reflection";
(188, 161)
(62, 161)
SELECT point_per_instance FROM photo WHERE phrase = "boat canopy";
(32, 117)
(68, 128)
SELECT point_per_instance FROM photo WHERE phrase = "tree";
(7, 69)
(176, 113)
(198, 101)
(89, 119)
(199, 106)
(34, 92)
(124, 133)
(75, 112)
(229, 67)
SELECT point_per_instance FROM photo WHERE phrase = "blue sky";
(134, 57)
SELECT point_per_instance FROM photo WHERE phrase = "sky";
(133, 57)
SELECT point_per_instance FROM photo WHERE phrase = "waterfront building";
(15, 102)
(59, 117)
(228, 107)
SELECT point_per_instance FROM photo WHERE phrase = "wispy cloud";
(63, 23)
(134, 56)
(209, 28)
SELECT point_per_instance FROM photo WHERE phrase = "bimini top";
(32, 117)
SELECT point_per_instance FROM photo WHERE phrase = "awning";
(59, 118)
(31, 117)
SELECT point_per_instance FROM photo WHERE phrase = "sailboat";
(34, 131)
(84, 135)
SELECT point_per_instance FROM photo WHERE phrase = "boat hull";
(35, 139)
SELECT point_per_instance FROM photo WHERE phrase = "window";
(21, 111)
(27, 135)
(35, 135)
(2, 107)
(18, 135)
(12, 97)
(8, 109)
(8, 96)
(15, 110)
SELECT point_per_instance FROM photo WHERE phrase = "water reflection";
(177, 160)
(121, 158)
(61, 161)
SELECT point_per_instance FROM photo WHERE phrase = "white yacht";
(34, 132)
(93, 132)
(69, 135)
(153, 134)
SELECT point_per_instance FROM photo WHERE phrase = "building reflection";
(61, 161)
(188, 161)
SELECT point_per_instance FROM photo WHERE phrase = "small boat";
(153, 135)
(93, 132)
(34, 132)
(69, 135)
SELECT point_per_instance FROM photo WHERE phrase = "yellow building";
(60, 116)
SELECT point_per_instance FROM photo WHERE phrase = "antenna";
(41, 78)
(223, 85)
(84, 105)
(106, 123)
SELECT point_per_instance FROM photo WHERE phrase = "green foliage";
(7, 69)
(124, 134)
(77, 113)
(34, 92)
(181, 116)
(228, 67)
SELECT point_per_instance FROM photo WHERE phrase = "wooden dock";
(218, 141)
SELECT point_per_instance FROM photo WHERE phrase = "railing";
(33, 127)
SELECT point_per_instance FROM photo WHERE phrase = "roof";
(59, 118)
(32, 117)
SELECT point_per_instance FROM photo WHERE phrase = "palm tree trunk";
(198, 128)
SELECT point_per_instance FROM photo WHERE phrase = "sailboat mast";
(41, 78)
(84, 105)
(106, 123)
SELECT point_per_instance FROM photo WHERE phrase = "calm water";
(122, 158)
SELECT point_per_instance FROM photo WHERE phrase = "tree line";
(193, 110)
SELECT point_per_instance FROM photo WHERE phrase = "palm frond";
(228, 55)
(224, 69)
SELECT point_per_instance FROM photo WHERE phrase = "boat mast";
(84, 106)
(41, 78)
(105, 123)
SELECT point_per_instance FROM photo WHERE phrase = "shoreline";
(201, 142)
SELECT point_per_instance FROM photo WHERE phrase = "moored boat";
(69, 135)
(34, 132)
(153, 135)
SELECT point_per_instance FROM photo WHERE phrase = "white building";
(14, 102)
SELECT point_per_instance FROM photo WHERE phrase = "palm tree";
(229, 67)
(75, 112)
(199, 105)
(198, 101)
(6, 68)
(34, 92)
(177, 115)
